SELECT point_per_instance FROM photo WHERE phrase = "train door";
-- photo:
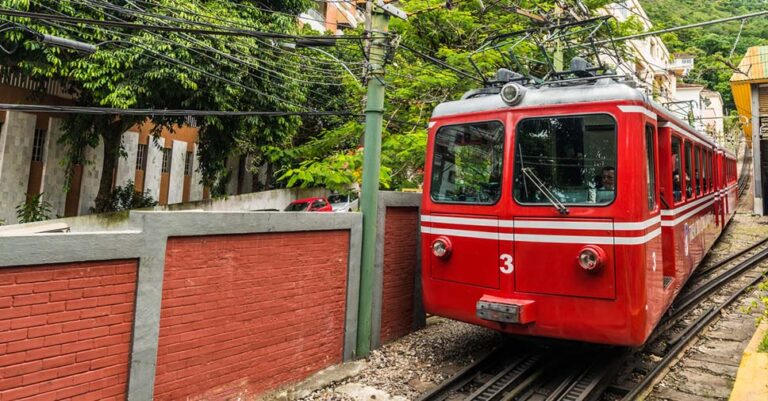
(462, 223)
(670, 193)
(654, 249)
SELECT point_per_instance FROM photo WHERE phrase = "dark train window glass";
(688, 181)
(711, 170)
(650, 162)
(467, 163)
(704, 174)
(570, 158)
(677, 191)
(697, 170)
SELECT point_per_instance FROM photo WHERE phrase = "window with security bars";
(166, 160)
(38, 145)
(141, 157)
(188, 163)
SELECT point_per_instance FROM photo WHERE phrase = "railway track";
(744, 174)
(557, 371)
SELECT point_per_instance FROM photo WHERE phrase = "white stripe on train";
(555, 239)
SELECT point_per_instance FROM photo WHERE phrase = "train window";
(677, 191)
(697, 170)
(704, 174)
(688, 183)
(570, 158)
(709, 171)
(467, 162)
(650, 172)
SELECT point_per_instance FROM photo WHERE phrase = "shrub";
(34, 208)
(126, 197)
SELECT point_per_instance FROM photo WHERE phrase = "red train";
(573, 210)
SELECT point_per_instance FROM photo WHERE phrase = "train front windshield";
(572, 159)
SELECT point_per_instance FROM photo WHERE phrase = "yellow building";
(750, 93)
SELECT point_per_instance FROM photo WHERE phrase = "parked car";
(309, 205)
(344, 203)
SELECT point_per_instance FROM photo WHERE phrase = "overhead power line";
(144, 27)
(167, 113)
(441, 63)
(680, 28)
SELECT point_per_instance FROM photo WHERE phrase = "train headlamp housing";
(512, 93)
(591, 258)
(441, 247)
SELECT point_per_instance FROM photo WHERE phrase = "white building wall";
(126, 166)
(176, 180)
(91, 178)
(154, 167)
(54, 173)
(16, 139)
(195, 185)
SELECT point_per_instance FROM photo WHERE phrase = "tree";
(333, 158)
(167, 70)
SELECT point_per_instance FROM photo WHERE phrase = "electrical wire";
(142, 27)
(168, 113)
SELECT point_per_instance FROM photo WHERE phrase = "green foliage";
(127, 197)
(711, 45)
(143, 69)
(34, 208)
(414, 87)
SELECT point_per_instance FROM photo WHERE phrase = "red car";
(309, 205)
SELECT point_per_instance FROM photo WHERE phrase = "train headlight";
(591, 258)
(441, 247)
(512, 93)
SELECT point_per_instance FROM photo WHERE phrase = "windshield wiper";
(528, 173)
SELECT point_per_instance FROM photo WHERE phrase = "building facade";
(167, 167)
(750, 93)
(31, 157)
(649, 60)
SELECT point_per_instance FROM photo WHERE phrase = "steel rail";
(722, 262)
(460, 379)
(683, 304)
(697, 326)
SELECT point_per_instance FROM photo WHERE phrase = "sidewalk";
(752, 377)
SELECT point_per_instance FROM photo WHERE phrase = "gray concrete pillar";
(757, 180)
(176, 180)
(126, 166)
(16, 138)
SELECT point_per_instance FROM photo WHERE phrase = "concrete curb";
(752, 377)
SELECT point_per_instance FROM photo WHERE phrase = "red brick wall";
(65, 330)
(242, 314)
(401, 234)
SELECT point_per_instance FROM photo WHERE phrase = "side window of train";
(677, 179)
(688, 176)
(697, 170)
(467, 163)
(650, 163)
(704, 174)
(572, 159)
(709, 172)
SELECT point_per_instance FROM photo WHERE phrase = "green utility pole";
(374, 111)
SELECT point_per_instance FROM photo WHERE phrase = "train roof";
(592, 90)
